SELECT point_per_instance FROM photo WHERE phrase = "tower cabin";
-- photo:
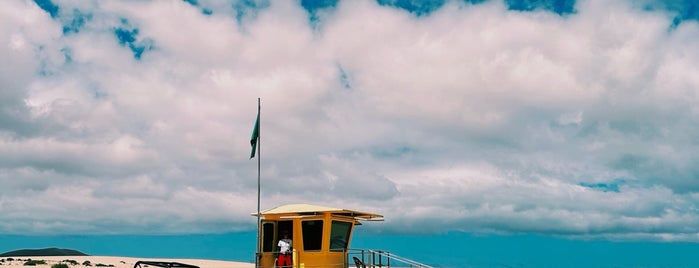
(320, 235)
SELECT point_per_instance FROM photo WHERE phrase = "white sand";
(120, 262)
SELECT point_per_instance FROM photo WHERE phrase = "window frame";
(268, 236)
(345, 233)
(312, 237)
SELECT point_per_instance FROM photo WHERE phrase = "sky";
(552, 118)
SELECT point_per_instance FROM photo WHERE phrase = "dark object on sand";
(164, 264)
(42, 252)
(359, 263)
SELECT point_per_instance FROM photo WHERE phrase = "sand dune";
(120, 262)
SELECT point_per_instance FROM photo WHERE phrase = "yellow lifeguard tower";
(320, 235)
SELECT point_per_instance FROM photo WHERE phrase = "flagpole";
(259, 156)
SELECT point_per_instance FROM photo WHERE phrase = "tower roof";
(306, 209)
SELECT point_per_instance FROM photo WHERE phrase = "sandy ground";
(119, 262)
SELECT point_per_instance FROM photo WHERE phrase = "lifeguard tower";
(320, 235)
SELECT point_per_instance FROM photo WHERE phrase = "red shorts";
(284, 259)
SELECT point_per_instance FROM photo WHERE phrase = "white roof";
(306, 208)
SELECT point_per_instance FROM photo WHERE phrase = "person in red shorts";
(284, 258)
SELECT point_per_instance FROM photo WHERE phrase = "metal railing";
(368, 258)
(380, 258)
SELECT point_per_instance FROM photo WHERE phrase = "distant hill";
(42, 252)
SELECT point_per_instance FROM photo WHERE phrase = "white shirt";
(284, 245)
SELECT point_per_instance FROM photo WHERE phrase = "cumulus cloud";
(493, 116)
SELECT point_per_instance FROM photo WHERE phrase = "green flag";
(255, 136)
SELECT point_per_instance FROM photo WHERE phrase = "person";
(284, 258)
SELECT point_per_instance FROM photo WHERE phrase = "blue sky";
(562, 120)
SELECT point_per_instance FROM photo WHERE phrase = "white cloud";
(493, 120)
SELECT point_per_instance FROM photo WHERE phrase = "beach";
(115, 261)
